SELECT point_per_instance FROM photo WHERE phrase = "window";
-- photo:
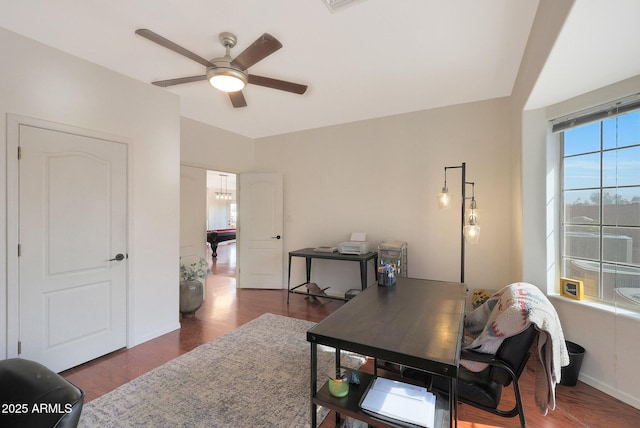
(601, 205)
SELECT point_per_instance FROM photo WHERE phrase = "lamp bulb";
(444, 198)
(471, 233)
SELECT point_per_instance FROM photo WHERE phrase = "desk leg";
(375, 265)
(289, 281)
(338, 365)
(314, 382)
(453, 402)
(363, 275)
(363, 271)
(308, 263)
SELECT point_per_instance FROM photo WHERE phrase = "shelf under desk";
(349, 405)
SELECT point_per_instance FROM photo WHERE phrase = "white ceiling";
(371, 59)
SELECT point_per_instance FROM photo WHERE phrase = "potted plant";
(192, 286)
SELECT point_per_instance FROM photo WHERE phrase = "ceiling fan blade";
(237, 99)
(179, 81)
(277, 84)
(259, 50)
(156, 38)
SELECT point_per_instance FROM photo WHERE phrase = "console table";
(309, 254)
(416, 323)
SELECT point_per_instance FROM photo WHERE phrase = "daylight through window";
(601, 206)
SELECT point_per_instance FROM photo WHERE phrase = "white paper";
(359, 236)
(401, 401)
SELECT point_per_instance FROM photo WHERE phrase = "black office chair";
(36, 397)
(484, 389)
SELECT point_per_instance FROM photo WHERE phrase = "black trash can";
(569, 374)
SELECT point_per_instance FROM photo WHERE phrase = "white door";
(73, 256)
(260, 231)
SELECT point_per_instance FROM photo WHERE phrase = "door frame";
(14, 122)
(223, 170)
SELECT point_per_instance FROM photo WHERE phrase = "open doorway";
(222, 216)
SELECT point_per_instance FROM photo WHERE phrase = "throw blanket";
(509, 312)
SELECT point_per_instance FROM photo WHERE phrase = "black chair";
(36, 397)
(484, 389)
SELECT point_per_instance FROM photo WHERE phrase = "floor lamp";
(469, 228)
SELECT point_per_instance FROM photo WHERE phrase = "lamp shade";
(471, 233)
(444, 199)
(471, 230)
(227, 79)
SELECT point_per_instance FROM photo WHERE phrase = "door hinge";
(19, 250)
(19, 347)
(19, 152)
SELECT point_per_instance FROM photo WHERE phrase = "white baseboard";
(153, 335)
(609, 390)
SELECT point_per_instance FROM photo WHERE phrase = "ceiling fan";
(225, 73)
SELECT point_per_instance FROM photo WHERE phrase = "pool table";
(214, 237)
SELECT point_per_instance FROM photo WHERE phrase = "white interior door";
(73, 234)
(260, 226)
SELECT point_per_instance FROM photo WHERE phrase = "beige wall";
(193, 210)
(381, 176)
(378, 176)
(550, 17)
(607, 333)
(43, 83)
(213, 148)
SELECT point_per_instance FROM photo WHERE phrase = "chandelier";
(223, 195)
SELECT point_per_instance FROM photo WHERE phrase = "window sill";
(599, 306)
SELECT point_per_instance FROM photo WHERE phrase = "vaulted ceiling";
(370, 59)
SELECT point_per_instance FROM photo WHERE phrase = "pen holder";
(386, 275)
(339, 385)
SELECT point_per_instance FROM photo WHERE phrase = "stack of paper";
(400, 402)
(326, 249)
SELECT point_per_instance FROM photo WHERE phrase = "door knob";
(119, 257)
(276, 237)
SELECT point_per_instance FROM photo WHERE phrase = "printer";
(356, 245)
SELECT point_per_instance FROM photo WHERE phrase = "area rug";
(255, 376)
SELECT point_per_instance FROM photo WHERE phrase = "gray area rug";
(255, 376)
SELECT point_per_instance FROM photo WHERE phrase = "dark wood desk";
(309, 254)
(417, 323)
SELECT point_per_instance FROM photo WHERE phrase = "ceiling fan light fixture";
(226, 73)
(227, 79)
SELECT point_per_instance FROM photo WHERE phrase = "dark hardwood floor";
(226, 308)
